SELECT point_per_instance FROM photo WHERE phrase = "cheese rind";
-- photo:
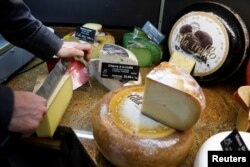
(127, 138)
(172, 97)
(56, 105)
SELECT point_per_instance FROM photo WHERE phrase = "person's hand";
(29, 110)
(70, 49)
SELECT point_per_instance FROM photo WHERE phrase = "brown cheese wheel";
(128, 138)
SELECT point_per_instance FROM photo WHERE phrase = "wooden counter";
(220, 114)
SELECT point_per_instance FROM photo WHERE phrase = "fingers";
(70, 49)
(29, 110)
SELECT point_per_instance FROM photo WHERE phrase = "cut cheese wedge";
(172, 97)
(57, 105)
(184, 62)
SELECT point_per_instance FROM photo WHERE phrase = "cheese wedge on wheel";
(172, 97)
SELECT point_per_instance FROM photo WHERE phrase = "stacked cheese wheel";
(126, 137)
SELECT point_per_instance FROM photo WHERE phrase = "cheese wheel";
(173, 97)
(215, 36)
(128, 138)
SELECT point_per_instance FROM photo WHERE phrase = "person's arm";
(20, 28)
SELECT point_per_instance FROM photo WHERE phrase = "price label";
(85, 34)
(234, 142)
(120, 71)
(153, 33)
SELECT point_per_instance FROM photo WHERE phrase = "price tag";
(85, 34)
(120, 71)
(153, 33)
(233, 142)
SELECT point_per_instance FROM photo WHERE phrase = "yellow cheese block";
(57, 105)
(184, 62)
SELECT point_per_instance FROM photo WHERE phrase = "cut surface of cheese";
(184, 62)
(132, 139)
(172, 97)
(56, 105)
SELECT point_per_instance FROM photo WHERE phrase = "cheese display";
(155, 50)
(56, 105)
(146, 51)
(242, 95)
(111, 53)
(142, 53)
(133, 139)
(172, 97)
(101, 38)
(213, 144)
(214, 36)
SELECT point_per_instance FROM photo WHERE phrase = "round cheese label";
(203, 37)
(125, 110)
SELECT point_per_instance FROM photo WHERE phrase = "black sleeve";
(20, 28)
(6, 107)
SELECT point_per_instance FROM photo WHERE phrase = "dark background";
(120, 13)
(119, 16)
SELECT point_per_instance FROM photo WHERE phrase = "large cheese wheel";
(173, 97)
(128, 138)
(215, 36)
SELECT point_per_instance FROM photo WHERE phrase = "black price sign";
(85, 34)
(120, 71)
(233, 142)
(153, 33)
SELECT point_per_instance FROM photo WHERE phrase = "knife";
(52, 80)
(45, 90)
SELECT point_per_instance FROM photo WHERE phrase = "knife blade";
(52, 80)
(84, 134)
